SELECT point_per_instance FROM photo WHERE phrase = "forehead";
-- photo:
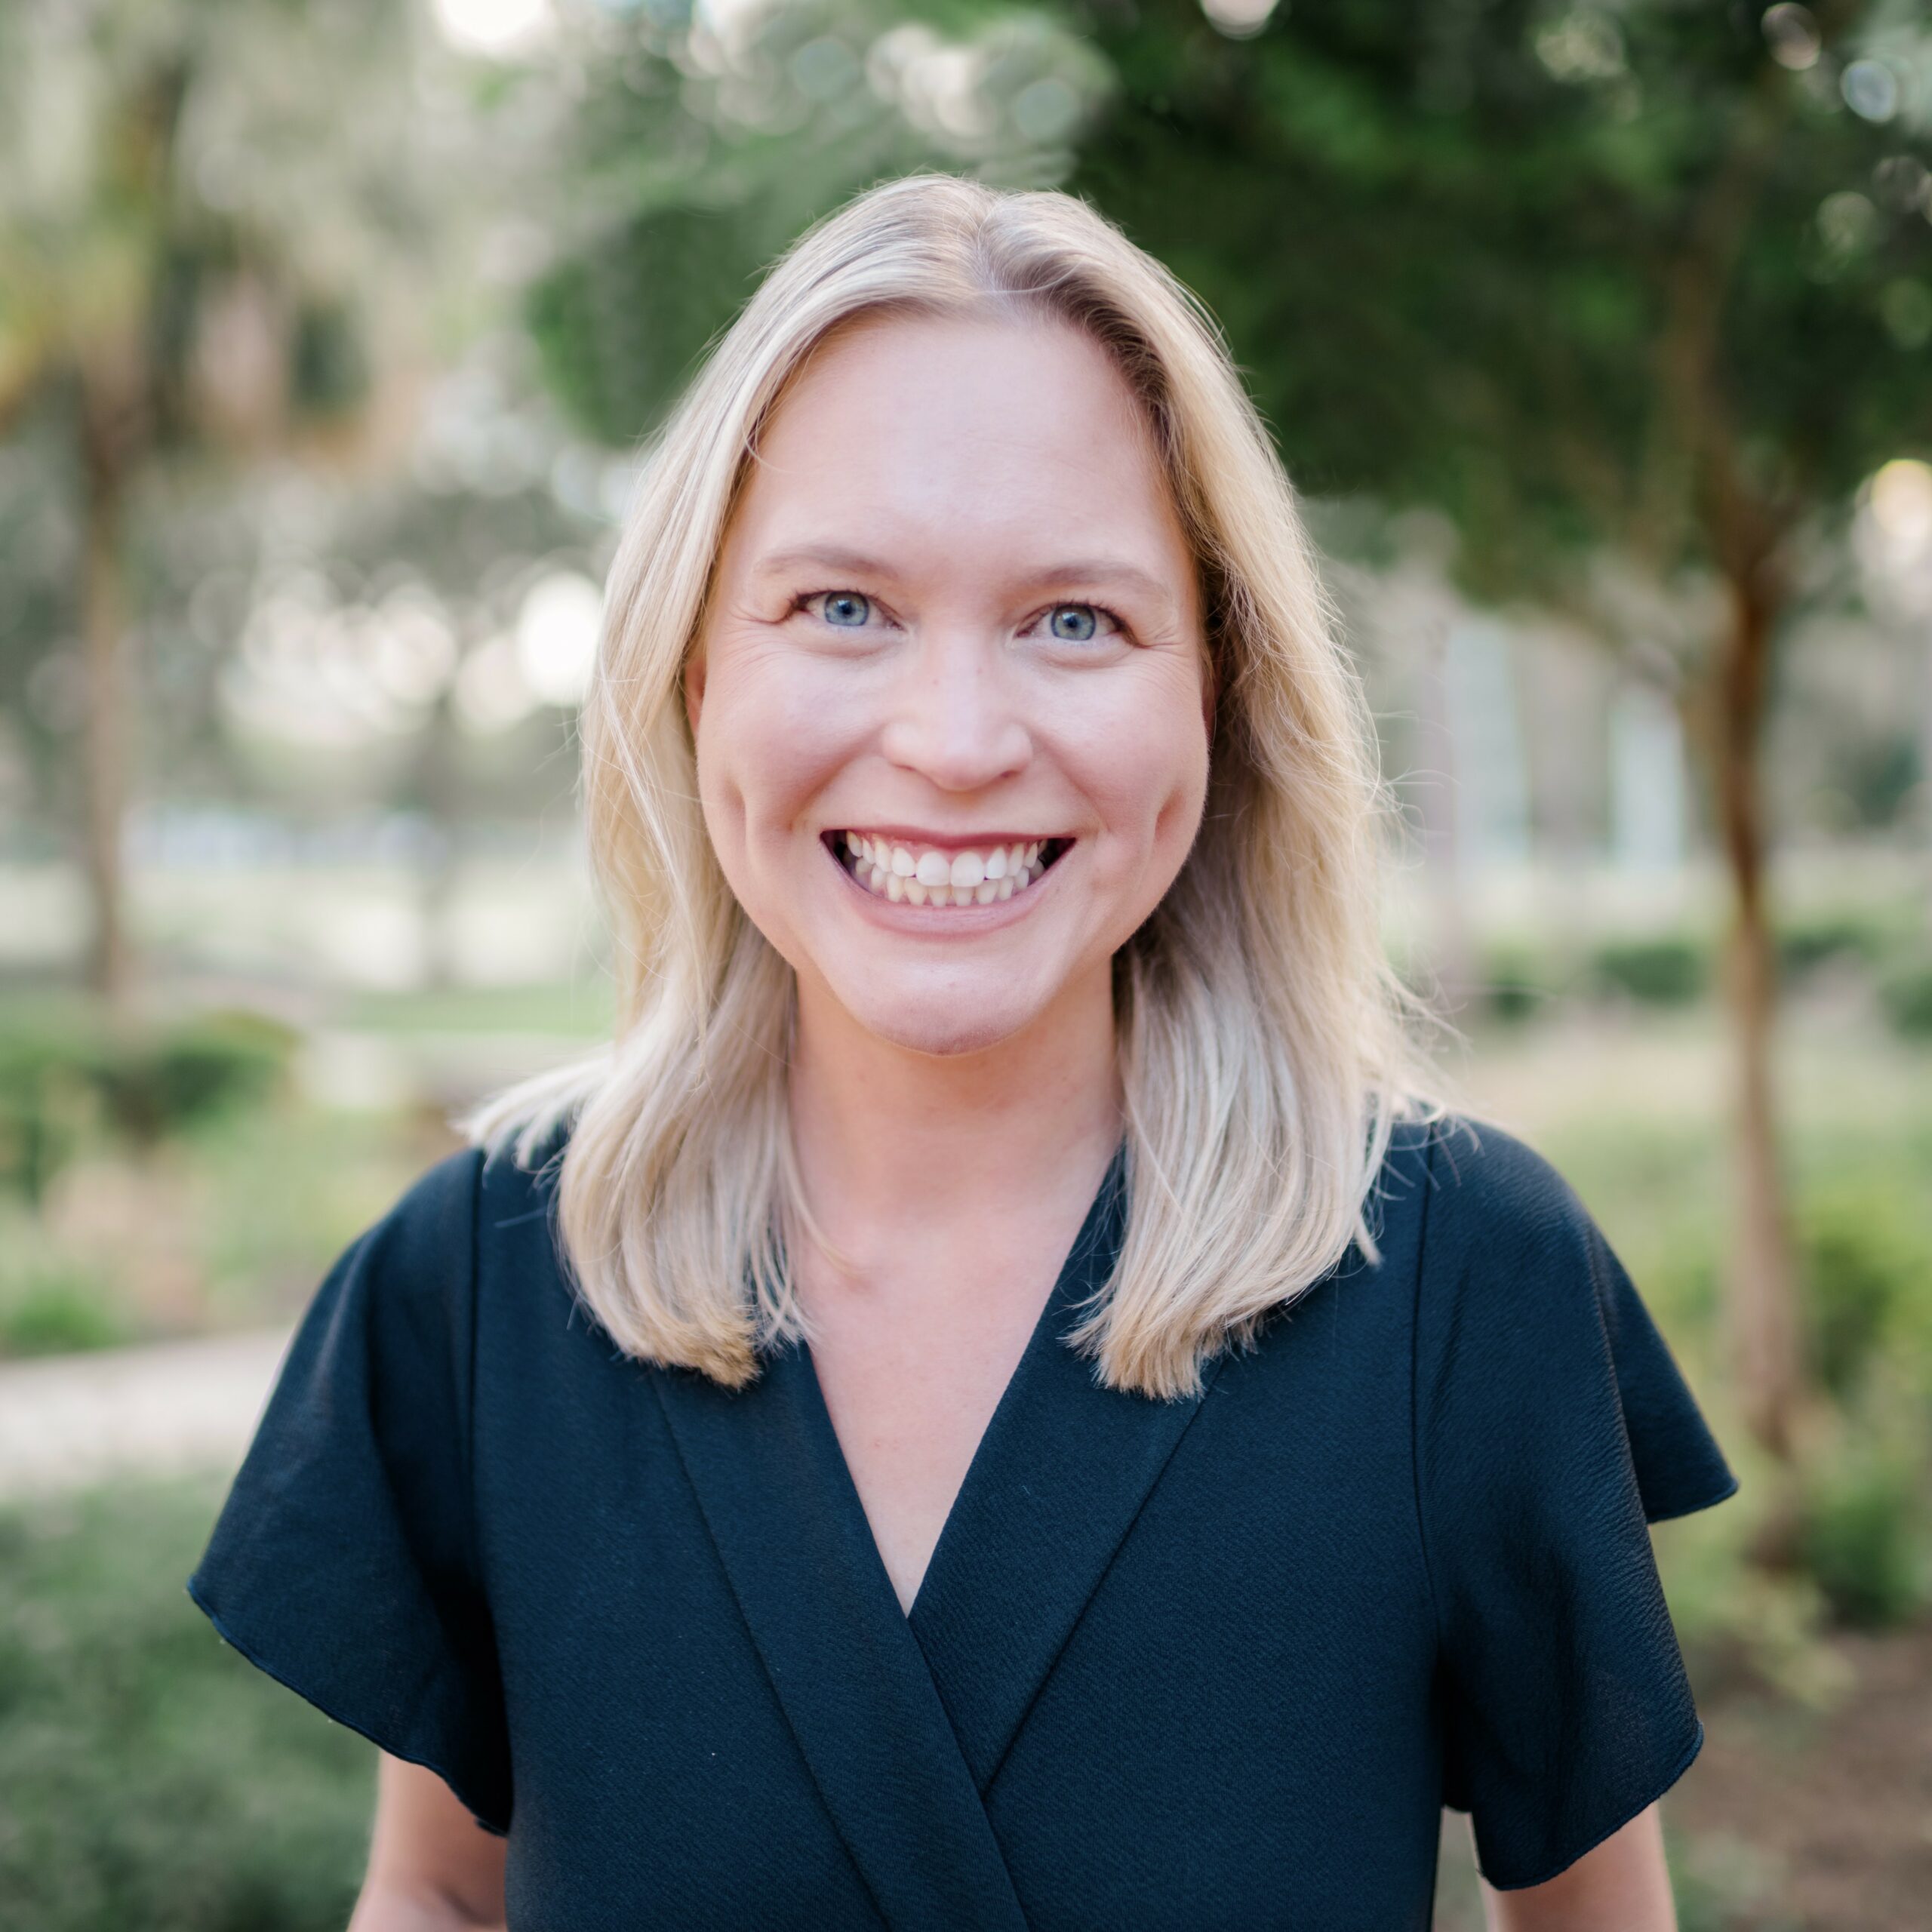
(1014, 435)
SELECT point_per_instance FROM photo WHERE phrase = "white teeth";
(970, 878)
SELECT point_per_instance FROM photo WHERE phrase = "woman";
(1005, 1399)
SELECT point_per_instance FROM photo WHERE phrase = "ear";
(693, 680)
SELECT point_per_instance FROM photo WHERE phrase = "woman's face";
(949, 699)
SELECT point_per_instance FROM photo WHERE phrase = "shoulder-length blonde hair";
(1265, 1041)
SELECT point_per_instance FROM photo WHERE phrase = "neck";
(891, 1141)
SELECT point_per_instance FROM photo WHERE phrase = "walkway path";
(161, 1410)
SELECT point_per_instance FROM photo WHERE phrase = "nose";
(954, 718)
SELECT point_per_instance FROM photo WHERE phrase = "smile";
(907, 871)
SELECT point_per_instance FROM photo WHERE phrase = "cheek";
(1143, 759)
(769, 738)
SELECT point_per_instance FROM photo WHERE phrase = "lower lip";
(936, 922)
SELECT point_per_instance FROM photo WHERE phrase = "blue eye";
(1073, 623)
(846, 608)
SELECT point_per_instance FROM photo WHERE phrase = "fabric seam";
(473, 1543)
(1415, 1377)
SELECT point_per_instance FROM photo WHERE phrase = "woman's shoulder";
(1518, 1284)
(1503, 1242)
(473, 1215)
(1485, 1186)
(466, 1195)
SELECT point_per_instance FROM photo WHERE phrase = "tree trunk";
(105, 734)
(1761, 1288)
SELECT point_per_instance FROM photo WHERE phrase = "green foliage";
(618, 327)
(1865, 1539)
(64, 1075)
(1517, 983)
(1905, 991)
(1561, 272)
(1725, 1884)
(1805, 945)
(1866, 1265)
(148, 1776)
(229, 1225)
(53, 1311)
(1867, 1531)
(704, 147)
(155, 1086)
(1863, 1230)
(329, 373)
(1670, 970)
(46, 1102)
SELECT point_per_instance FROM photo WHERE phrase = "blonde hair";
(1267, 1050)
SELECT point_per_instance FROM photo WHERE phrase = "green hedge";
(63, 1077)
(1905, 991)
(149, 1777)
(1671, 969)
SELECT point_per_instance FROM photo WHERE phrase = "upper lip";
(948, 841)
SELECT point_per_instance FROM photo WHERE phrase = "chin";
(922, 1023)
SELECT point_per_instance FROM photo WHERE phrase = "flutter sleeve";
(344, 1562)
(1552, 1426)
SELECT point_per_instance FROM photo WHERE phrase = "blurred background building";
(1598, 339)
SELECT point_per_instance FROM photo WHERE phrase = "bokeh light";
(1239, 20)
(556, 637)
(1900, 500)
(1791, 34)
(494, 27)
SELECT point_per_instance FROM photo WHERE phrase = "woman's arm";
(1623, 1885)
(432, 1867)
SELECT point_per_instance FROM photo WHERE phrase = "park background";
(1598, 338)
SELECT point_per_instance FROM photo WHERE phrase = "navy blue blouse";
(1219, 1661)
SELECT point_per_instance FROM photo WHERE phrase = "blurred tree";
(199, 200)
(1642, 279)
(700, 141)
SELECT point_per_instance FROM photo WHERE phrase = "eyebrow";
(825, 556)
(1099, 570)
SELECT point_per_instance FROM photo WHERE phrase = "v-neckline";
(904, 1718)
(1082, 1271)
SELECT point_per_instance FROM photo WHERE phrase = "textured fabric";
(1217, 1662)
